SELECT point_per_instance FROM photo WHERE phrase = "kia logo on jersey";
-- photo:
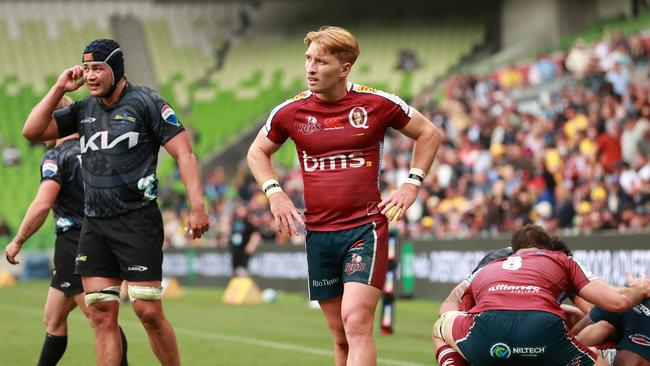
(91, 143)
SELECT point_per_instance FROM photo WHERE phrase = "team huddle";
(100, 180)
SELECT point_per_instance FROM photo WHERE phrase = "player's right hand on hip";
(11, 251)
(71, 79)
(287, 217)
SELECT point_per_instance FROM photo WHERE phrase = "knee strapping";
(147, 293)
(441, 324)
(111, 293)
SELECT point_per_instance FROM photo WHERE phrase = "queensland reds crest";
(355, 265)
(358, 117)
(310, 127)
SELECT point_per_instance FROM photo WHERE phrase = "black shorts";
(65, 251)
(128, 247)
(358, 254)
(531, 338)
(239, 257)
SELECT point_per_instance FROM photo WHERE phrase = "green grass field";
(283, 333)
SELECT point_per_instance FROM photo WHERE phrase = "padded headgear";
(108, 52)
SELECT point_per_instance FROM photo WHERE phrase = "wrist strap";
(271, 187)
(416, 177)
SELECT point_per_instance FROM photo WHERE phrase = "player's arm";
(253, 242)
(34, 217)
(427, 138)
(40, 124)
(180, 148)
(259, 161)
(592, 334)
(613, 298)
(453, 301)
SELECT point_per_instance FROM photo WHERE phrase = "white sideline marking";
(214, 336)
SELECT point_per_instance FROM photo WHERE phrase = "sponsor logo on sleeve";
(169, 115)
(65, 284)
(49, 168)
(81, 258)
(87, 120)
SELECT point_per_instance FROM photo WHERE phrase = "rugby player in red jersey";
(338, 128)
(515, 313)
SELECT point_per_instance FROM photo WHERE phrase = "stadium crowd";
(562, 142)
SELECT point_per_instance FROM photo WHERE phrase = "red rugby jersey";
(339, 146)
(536, 280)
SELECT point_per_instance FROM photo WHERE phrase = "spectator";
(4, 228)
(11, 156)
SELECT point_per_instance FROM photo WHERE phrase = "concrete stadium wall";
(539, 23)
(435, 267)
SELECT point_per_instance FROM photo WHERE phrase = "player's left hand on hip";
(398, 201)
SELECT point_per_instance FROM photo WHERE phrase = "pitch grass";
(283, 333)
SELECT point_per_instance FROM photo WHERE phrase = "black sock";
(53, 349)
(124, 361)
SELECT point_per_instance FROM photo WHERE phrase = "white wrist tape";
(413, 181)
(271, 187)
(416, 177)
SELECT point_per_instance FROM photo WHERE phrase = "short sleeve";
(398, 112)
(277, 127)
(51, 169)
(67, 119)
(467, 301)
(579, 276)
(163, 121)
(597, 314)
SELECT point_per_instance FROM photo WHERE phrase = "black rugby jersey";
(632, 326)
(119, 147)
(62, 164)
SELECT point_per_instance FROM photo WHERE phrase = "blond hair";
(337, 41)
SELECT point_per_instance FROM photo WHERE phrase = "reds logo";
(310, 127)
(355, 265)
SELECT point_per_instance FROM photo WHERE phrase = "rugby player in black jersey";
(122, 127)
(61, 190)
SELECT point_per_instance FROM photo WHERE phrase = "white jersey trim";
(407, 109)
(590, 276)
(269, 121)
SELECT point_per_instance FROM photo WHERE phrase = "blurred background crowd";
(562, 141)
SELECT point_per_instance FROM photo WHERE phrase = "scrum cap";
(105, 51)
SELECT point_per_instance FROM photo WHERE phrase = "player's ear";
(345, 70)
